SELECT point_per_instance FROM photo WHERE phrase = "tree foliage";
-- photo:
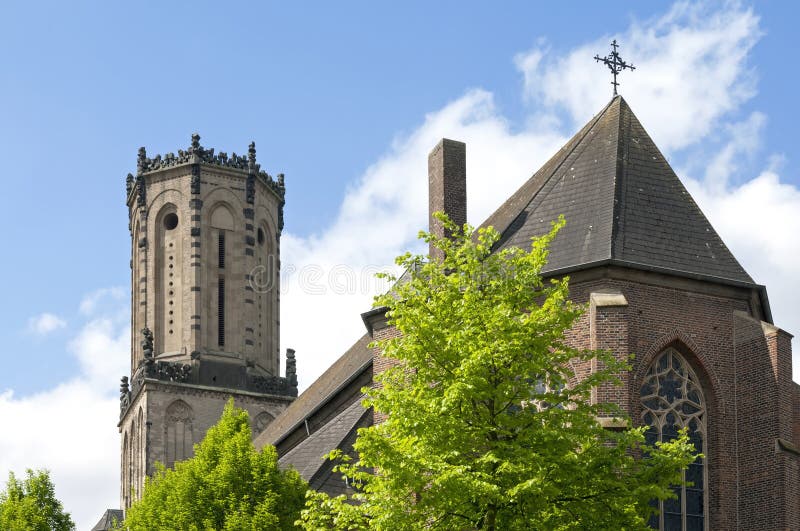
(487, 426)
(227, 485)
(31, 505)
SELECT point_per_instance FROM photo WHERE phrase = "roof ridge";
(617, 219)
(574, 142)
(574, 150)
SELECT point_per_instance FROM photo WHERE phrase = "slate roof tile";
(309, 456)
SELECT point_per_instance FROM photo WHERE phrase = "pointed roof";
(110, 519)
(623, 204)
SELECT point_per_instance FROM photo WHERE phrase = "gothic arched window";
(178, 432)
(672, 398)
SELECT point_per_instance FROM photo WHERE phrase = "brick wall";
(796, 430)
(746, 378)
(380, 363)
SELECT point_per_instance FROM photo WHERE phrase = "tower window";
(221, 313)
(170, 221)
(260, 236)
(221, 245)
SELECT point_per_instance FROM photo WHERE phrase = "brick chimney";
(447, 186)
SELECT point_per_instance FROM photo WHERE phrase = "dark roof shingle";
(309, 456)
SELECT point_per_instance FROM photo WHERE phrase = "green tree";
(487, 427)
(228, 485)
(31, 505)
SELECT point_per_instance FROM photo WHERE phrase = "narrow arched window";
(178, 436)
(223, 222)
(125, 473)
(672, 398)
(140, 464)
(169, 281)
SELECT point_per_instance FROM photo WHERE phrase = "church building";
(660, 284)
(657, 279)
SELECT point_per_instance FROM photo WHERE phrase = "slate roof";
(308, 457)
(623, 204)
(357, 359)
(108, 519)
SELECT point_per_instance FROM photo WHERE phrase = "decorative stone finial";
(147, 343)
(291, 367)
(195, 142)
(251, 157)
(141, 160)
(124, 395)
(129, 183)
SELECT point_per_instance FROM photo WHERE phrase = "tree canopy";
(487, 426)
(31, 505)
(227, 485)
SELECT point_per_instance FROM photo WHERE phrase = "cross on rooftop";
(614, 63)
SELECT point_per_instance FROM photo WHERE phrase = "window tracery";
(672, 398)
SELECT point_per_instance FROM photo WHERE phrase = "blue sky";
(345, 99)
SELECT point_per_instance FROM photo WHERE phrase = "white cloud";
(45, 323)
(744, 141)
(102, 348)
(691, 71)
(92, 301)
(71, 429)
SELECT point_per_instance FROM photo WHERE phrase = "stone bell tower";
(205, 247)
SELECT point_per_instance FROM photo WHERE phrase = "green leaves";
(488, 426)
(227, 485)
(31, 505)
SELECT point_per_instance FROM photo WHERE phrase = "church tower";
(205, 260)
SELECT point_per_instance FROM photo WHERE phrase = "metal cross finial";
(614, 63)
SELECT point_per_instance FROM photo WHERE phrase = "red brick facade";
(743, 364)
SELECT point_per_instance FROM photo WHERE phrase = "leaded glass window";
(672, 398)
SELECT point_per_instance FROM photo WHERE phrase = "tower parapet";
(197, 154)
